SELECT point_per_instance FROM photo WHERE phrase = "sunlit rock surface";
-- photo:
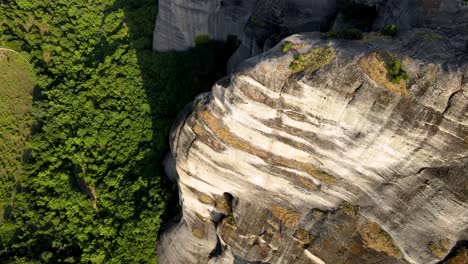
(331, 162)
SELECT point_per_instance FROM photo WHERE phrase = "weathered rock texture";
(260, 24)
(330, 162)
(180, 21)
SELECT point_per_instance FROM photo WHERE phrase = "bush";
(396, 71)
(390, 30)
(351, 33)
(201, 39)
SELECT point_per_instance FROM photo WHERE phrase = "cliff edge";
(321, 151)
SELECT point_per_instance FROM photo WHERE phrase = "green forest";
(91, 187)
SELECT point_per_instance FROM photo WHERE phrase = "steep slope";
(321, 153)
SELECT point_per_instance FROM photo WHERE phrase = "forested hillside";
(94, 189)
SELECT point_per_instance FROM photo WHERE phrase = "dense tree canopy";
(93, 191)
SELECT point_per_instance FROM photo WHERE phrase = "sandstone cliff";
(312, 154)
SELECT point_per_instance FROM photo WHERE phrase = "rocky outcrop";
(316, 152)
(180, 21)
(261, 24)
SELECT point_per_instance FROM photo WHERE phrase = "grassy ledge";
(313, 60)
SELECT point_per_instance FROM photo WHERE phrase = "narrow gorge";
(322, 150)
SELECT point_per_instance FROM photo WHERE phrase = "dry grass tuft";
(303, 236)
(377, 69)
(376, 238)
(440, 248)
(288, 217)
(349, 209)
(313, 60)
(198, 232)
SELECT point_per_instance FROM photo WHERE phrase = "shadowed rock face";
(180, 21)
(331, 162)
(260, 24)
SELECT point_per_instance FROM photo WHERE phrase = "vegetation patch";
(440, 248)
(397, 73)
(350, 34)
(429, 36)
(105, 110)
(303, 236)
(206, 199)
(198, 232)
(349, 209)
(224, 205)
(287, 46)
(376, 238)
(317, 212)
(201, 39)
(16, 89)
(308, 184)
(228, 231)
(386, 71)
(322, 176)
(288, 217)
(313, 60)
(390, 30)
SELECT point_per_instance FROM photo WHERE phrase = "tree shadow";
(171, 80)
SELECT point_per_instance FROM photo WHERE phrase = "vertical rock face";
(253, 22)
(260, 24)
(327, 157)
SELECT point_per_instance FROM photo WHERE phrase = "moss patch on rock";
(439, 248)
(313, 60)
(376, 238)
(224, 205)
(303, 236)
(349, 209)
(288, 217)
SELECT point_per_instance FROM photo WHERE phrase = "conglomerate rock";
(314, 152)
